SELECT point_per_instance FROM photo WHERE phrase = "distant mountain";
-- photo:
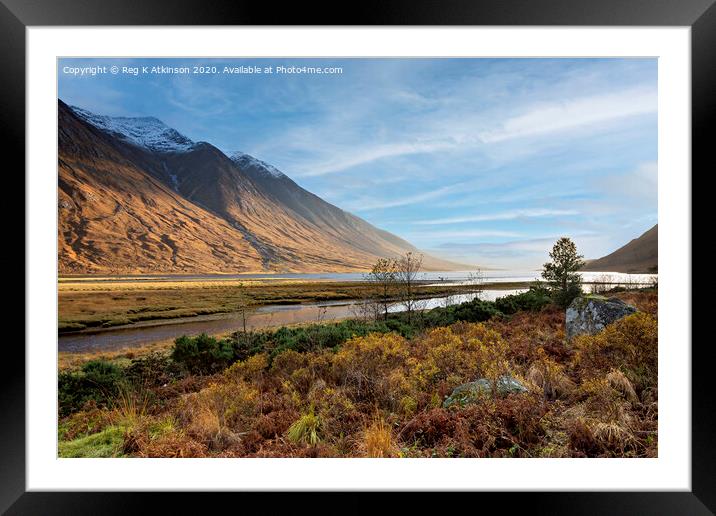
(641, 255)
(136, 196)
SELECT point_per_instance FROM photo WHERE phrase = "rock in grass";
(591, 314)
(472, 391)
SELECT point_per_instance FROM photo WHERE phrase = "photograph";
(349, 257)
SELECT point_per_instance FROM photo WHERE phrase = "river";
(142, 334)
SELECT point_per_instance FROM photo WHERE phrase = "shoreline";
(81, 310)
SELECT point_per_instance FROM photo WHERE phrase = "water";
(150, 332)
(488, 276)
(142, 334)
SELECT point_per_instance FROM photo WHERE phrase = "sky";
(481, 161)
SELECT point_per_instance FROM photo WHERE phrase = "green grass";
(107, 443)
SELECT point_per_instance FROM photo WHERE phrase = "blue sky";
(483, 161)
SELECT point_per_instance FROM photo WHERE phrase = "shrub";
(476, 311)
(563, 297)
(250, 370)
(378, 440)
(534, 299)
(202, 354)
(97, 381)
(218, 414)
(629, 344)
(319, 336)
(153, 369)
(549, 376)
(364, 364)
(306, 429)
(339, 415)
(246, 344)
(489, 428)
(458, 354)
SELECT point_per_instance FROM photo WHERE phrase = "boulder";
(591, 314)
(472, 391)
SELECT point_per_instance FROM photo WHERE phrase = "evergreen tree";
(561, 273)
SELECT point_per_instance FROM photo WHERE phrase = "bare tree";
(602, 284)
(383, 278)
(449, 298)
(654, 282)
(408, 270)
(242, 303)
(475, 280)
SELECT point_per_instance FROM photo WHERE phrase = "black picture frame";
(17, 15)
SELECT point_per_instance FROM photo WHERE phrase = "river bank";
(148, 333)
(100, 304)
(92, 303)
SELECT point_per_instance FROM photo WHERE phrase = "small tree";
(242, 302)
(382, 278)
(561, 273)
(408, 269)
(475, 280)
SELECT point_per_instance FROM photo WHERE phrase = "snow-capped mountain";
(249, 163)
(172, 205)
(148, 132)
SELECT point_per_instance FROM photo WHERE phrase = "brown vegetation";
(381, 396)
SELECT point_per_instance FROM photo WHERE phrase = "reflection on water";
(262, 317)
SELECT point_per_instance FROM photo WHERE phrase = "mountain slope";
(340, 225)
(639, 255)
(137, 196)
(114, 217)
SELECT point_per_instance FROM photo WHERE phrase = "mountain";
(147, 132)
(639, 255)
(136, 196)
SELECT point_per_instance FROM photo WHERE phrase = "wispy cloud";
(469, 233)
(196, 98)
(574, 113)
(442, 130)
(505, 215)
(367, 204)
(352, 157)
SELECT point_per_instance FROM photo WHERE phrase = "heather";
(366, 388)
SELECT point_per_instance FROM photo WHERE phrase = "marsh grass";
(378, 441)
(131, 404)
(94, 304)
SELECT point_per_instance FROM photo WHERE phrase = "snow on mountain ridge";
(247, 161)
(147, 132)
(153, 134)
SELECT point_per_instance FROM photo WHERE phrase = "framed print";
(419, 253)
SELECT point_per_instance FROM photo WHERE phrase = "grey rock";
(591, 314)
(473, 391)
